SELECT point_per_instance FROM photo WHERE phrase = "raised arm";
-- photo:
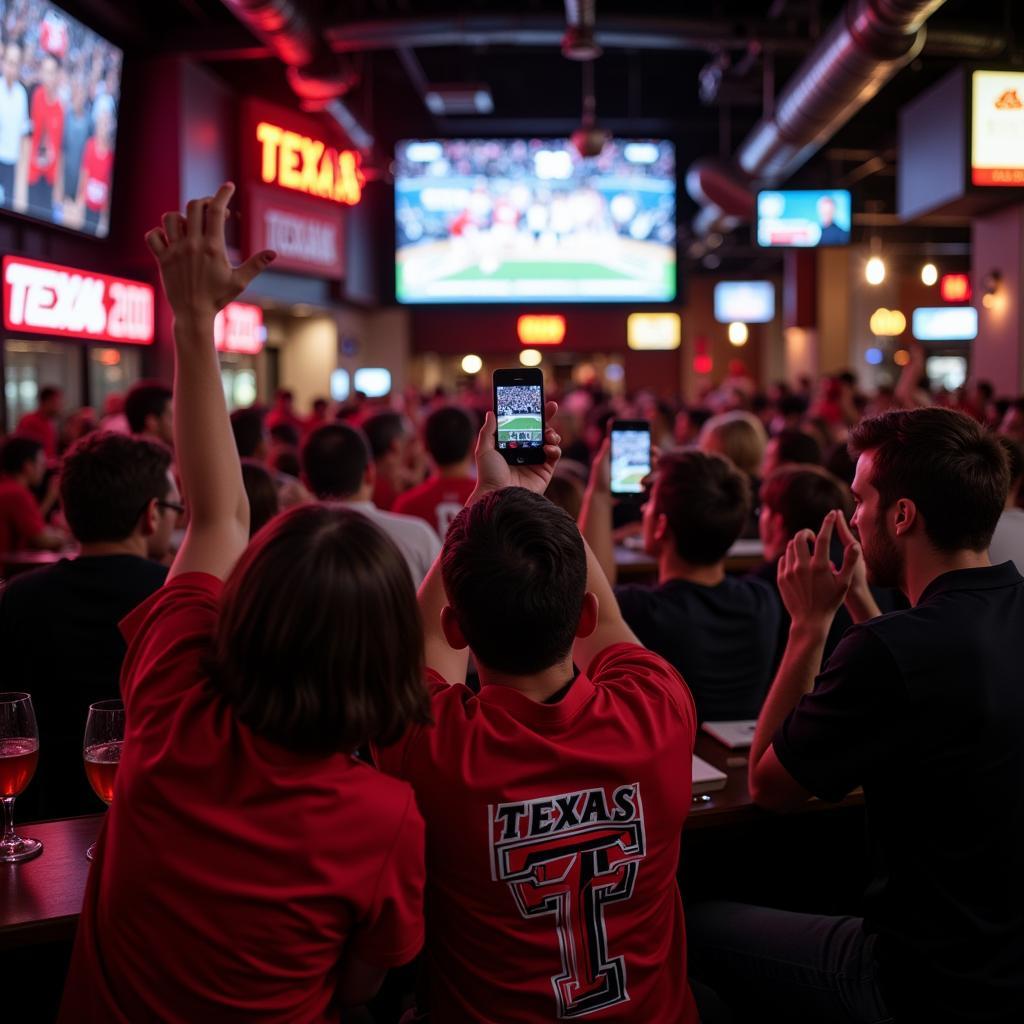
(596, 513)
(199, 282)
(812, 591)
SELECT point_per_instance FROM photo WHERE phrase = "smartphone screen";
(519, 410)
(631, 456)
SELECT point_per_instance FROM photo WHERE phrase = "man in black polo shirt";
(925, 709)
(58, 626)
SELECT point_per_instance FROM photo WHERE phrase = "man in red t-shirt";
(45, 175)
(439, 499)
(23, 466)
(554, 800)
(41, 425)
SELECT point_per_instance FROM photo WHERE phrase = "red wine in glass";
(101, 750)
(19, 755)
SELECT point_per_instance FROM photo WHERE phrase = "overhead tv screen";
(60, 86)
(515, 220)
(749, 302)
(803, 218)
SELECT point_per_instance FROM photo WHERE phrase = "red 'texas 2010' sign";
(44, 298)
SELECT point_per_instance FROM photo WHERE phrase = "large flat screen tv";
(803, 218)
(530, 220)
(60, 87)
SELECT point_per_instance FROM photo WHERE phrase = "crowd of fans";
(314, 753)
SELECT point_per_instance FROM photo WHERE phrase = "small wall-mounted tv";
(530, 220)
(748, 302)
(804, 218)
(58, 121)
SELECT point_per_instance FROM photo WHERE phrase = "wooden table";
(733, 805)
(40, 899)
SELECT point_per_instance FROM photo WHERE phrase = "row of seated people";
(265, 856)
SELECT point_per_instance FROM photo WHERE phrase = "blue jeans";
(785, 966)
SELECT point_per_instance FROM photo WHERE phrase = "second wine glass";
(101, 750)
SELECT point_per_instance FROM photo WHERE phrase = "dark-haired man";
(439, 499)
(924, 708)
(58, 625)
(790, 447)
(22, 525)
(394, 445)
(719, 632)
(150, 411)
(554, 799)
(337, 467)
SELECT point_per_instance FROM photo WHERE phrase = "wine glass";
(101, 750)
(19, 755)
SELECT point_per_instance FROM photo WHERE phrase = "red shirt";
(232, 875)
(553, 837)
(436, 500)
(47, 133)
(40, 428)
(384, 495)
(96, 173)
(20, 518)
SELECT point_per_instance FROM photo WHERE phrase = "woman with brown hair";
(251, 867)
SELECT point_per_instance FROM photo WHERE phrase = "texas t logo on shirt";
(569, 856)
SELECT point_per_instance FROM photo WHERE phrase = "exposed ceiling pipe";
(579, 41)
(315, 73)
(863, 48)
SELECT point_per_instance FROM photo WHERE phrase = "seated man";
(553, 800)
(395, 447)
(924, 708)
(22, 467)
(58, 625)
(719, 632)
(796, 498)
(439, 499)
(1008, 540)
(790, 447)
(336, 467)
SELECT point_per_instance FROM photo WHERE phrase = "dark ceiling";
(648, 80)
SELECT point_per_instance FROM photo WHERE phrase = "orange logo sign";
(1009, 101)
(307, 165)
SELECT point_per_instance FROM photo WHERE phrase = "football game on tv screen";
(510, 220)
(60, 87)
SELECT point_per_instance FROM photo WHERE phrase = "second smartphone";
(630, 457)
(519, 410)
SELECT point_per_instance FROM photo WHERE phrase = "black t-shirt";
(721, 639)
(61, 644)
(925, 709)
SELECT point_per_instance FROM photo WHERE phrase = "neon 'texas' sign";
(302, 164)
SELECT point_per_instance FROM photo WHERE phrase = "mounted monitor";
(58, 120)
(945, 323)
(530, 220)
(748, 302)
(803, 219)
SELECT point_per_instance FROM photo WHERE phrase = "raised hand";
(493, 472)
(812, 588)
(197, 276)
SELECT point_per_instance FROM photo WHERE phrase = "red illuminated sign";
(44, 298)
(306, 236)
(303, 164)
(955, 288)
(239, 328)
(536, 329)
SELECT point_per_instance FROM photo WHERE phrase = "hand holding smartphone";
(519, 411)
(630, 457)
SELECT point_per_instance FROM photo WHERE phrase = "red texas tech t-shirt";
(552, 846)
